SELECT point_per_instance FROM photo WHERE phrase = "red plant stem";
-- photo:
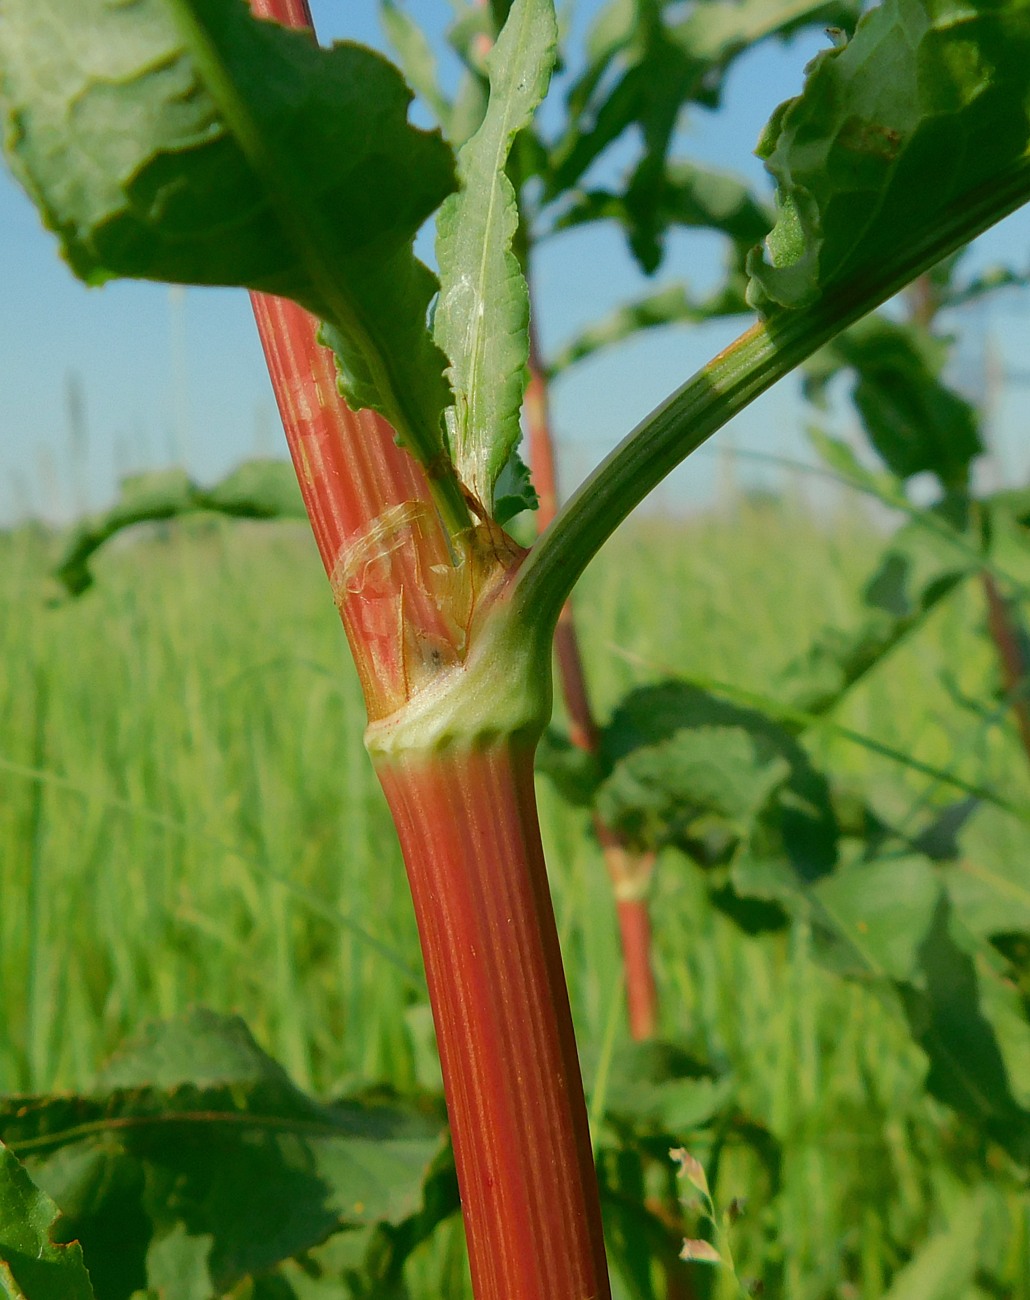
(469, 833)
(291, 13)
(378, 534)
(924, 302)
(641, 993)
(1014, 669)
(467, 820)
(348, 464)
(629, 872)
(468, 827)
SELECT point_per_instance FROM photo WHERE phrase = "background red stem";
(629, 871)
(1014, 668)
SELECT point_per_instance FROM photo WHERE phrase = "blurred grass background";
(187, 816)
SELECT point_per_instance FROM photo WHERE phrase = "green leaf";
(468, 111)
(917, 123)
(945, 1266)
(920, 566)
(882, 911)
(672, 305)
(901, 596)
(890, 924)
(692, 196)
(817, 680)
(32, 1265)
(988, 282)
(643, 70)
(185, 141)
(196, 1162)
(698, 782)
(257, 489)
(482, 318)
(973, 1028)
(641, 1248)
(838, 456)
(370, 1263)
(988, 883)
(574, 772)
(658, 1087)
(416, 59)
(915, 422)
(514, 491)
(682, 765)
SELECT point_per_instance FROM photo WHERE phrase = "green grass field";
(187, 816)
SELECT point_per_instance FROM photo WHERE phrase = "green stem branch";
(763, 354)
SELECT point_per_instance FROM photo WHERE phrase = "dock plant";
(205, 142)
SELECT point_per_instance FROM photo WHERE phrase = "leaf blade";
(256, 489)
(914, 420)
(32, 1265)
(869, 164)
(214, 1164)
(189, 142)
(482, 318)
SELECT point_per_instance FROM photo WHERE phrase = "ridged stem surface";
(467, 822)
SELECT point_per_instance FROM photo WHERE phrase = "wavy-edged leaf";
(417, 61)
(945, 1266)
(692, 196)
(647, 64)
(514, 491)
(257, 489)
(33, 1266)
(890, 924)
(184, 140)
(680, 765)
(916, 423)
(699, 782)
(913, 132)
(672, 305)
(482, 317)
(195, 1161)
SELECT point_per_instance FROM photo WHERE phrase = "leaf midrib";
(504, 141)
(305, 225)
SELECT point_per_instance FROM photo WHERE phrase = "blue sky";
(165, 375)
